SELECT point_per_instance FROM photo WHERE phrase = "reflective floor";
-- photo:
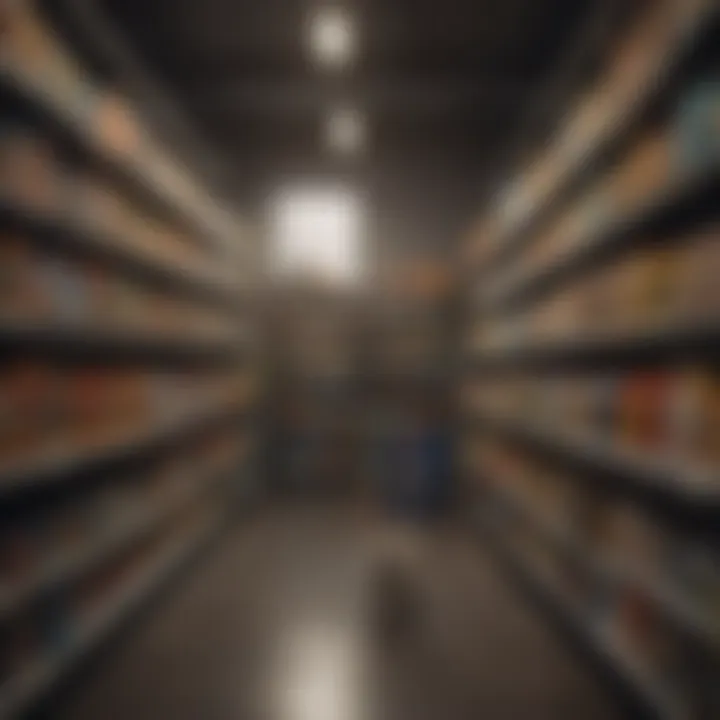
(330, 614)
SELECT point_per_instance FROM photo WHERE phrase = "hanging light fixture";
(345, 132)
(332, 37)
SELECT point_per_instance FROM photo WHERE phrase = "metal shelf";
(52, 468)
(610, 137)
(94, 341)
(687, 616)
(648, 695)
(650, 345)
(139, 170)
(28, 688)
(681, 488)
(67, 568)
(112, 246)
(528, 285)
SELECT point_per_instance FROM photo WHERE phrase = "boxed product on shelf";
(21, 293)
(176, 473)
(133, 397)
(696, 417)
(108, 405)
(599, 406)
(698, 290)
(661, 285)
(172, 393)
(93, 421)
(29, 45)
(643, 174)
(698, 126)
(41, 540)
(170, 244)
(39, 284)
(587, 121)
(29, 170)
(647, 284)
(641, 57)
(99, 205)
(119, 302)
(670, 414)
(644, 633)
(553, 494)
(632, 541)
(66, 287)
(96, 204)
(174, 178)
(115, 126)
(34, 412)
(644, 411)
(656, 296)
(650, 639)
(476, 249)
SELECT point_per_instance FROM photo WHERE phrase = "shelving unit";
(44, 470)
(647, 696)
(97, 341)
(193, 280)
(664, 343)
(150, 171)
(690, 618)
(685, 488)
(684, 29)
(42, 675)
(526, 285)
(592, 370)
(70, 566)
(126, 363)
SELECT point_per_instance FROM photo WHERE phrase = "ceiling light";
(318, 231)
(332, 37)
(345, 132)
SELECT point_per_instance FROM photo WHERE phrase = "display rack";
(194, 279)
(684, 488)
(645, 695)
(649, 345)
(126, 369)
(511, 230)
(528, 284)
(37, 679)
(591, 385)
(55, 467)
(149, 170)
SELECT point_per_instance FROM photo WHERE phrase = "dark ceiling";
(448, 89)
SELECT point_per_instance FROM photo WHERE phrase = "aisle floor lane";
(288, 620)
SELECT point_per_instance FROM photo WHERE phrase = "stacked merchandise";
(122, 378)
(666, 420)
(315, 349)
(595, 400)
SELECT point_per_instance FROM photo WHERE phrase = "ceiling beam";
(426, 96)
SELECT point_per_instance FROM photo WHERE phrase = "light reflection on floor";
(321, 674)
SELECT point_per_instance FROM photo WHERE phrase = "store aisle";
(281, 624)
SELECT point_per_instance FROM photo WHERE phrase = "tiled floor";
(287, 620)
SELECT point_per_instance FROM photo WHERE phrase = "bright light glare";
(319, 676)
(317, 232)
(346, 132)
(332, 37)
